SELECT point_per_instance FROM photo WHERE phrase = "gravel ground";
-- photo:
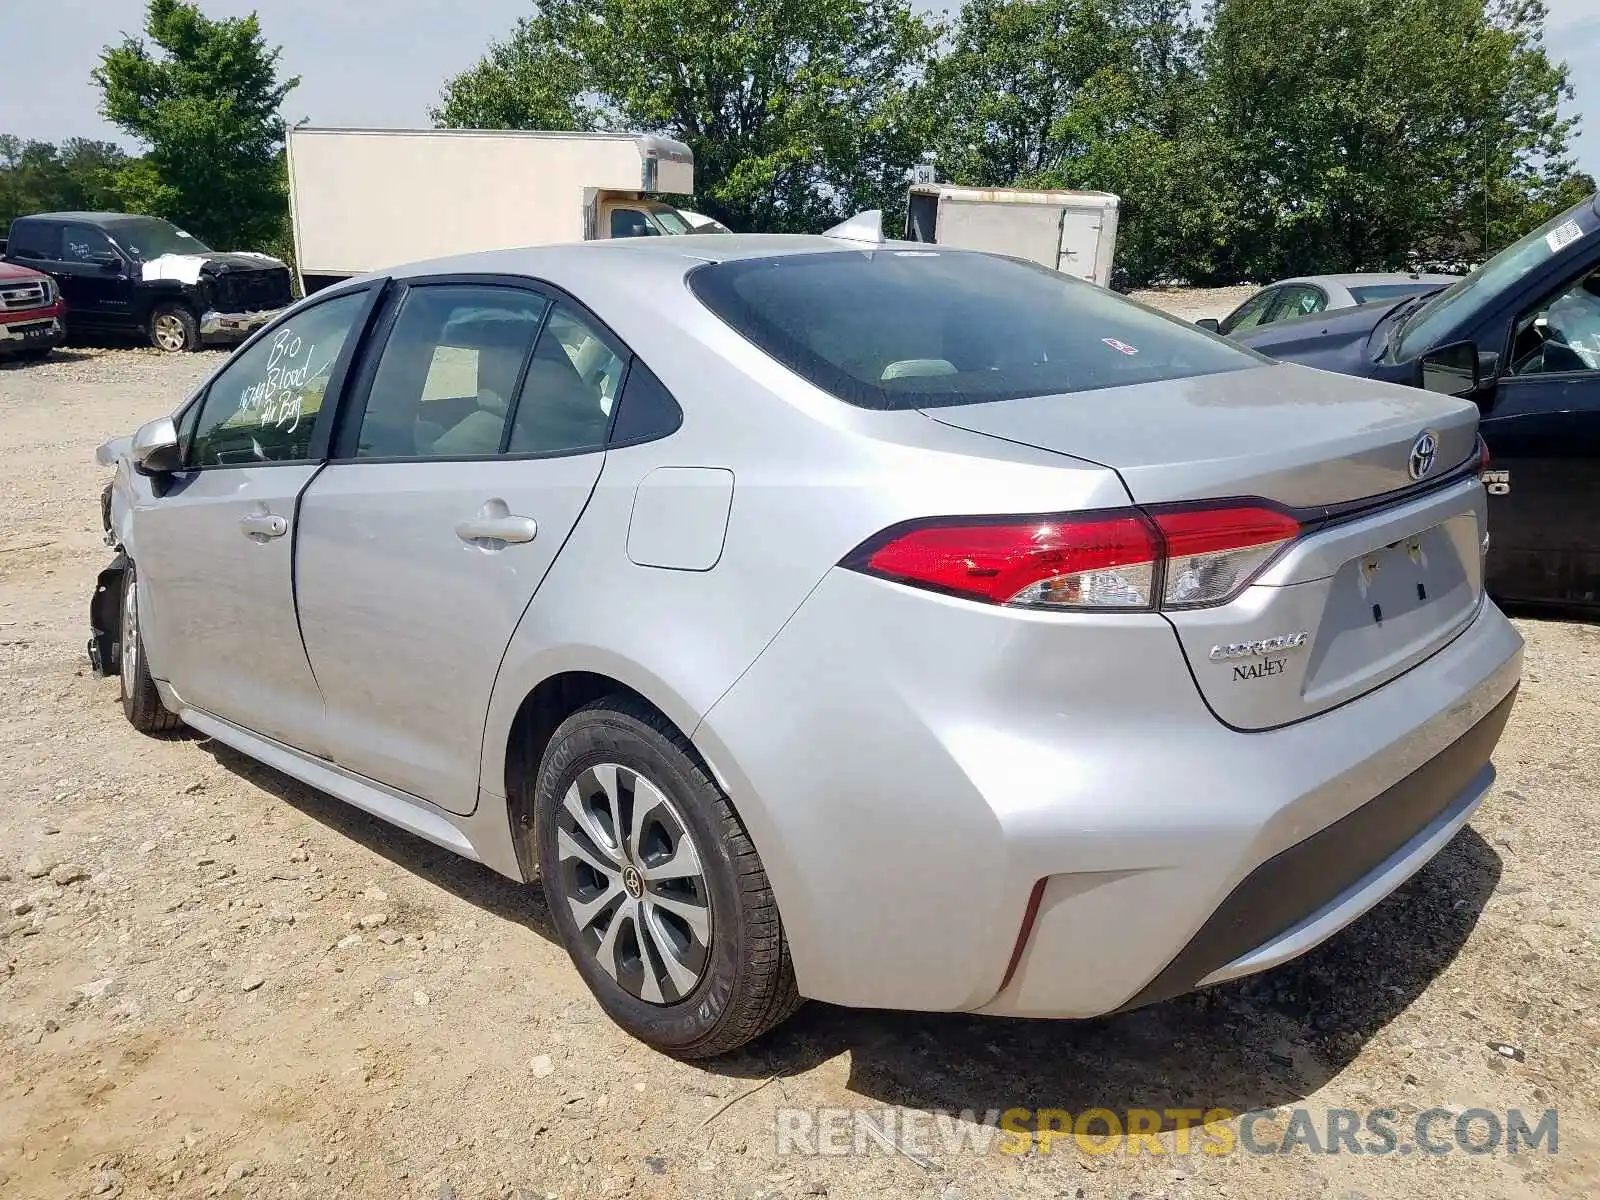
(214, 981)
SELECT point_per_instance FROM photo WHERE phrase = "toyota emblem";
(1424, 451)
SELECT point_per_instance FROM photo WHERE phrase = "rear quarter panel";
(812, 478)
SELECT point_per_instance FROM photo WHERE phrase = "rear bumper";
(1302, 895)
(215, 324)
(911, 767)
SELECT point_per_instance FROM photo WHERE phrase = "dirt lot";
(229, 984)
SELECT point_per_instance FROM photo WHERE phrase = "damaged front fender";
(105, 618)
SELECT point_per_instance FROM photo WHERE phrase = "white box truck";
(364, 199)
(1071, 232)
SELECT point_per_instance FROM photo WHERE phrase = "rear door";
(1543, 430)
(456, 482)
(214, 549)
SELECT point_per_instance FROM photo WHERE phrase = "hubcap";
(169, 332)
(128, 651)
(632, 878)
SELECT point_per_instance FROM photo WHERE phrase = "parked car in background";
(1308, 294)
(31, 313)
(131, 275)
(1520, 336)
(867, 621)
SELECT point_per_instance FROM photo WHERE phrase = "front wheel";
(141, 703)
(174, 328)
(654, 886)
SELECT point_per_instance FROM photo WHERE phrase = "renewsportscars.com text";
(1378, 1132)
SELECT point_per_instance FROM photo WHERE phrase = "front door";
(96, 279)
(215, 551)
(1542, 427)
(423, 543)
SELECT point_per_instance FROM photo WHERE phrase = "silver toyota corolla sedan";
(890, 625)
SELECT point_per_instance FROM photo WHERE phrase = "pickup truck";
(31, 313)
(1521, 337)
(122, 274)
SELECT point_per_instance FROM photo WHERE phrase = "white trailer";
(364, 199)
(1071, 232)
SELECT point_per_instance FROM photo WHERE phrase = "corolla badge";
(1424, 452)
(1271, 645)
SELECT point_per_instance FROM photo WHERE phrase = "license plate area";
(1391, 606)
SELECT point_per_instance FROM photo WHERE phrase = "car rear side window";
(900, 328)
(570, 388)
(449, 371)
(34, 239)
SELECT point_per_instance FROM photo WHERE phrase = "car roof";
(681, 252)
(1368, 279)
(87, 218)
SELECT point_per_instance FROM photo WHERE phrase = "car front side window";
(1561, 335)
(265, 404)
(86, 246)
(1251, 313)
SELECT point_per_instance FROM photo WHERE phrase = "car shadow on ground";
(1258, 1043)
(61, 354)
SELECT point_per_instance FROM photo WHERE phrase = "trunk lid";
(1286, 433)
(1387, 570)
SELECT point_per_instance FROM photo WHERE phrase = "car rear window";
(1389, 291)
(900, 328)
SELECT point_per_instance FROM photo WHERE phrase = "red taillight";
(1119, 559)
(1213, 552)
(1483, 456)
(1098, 560)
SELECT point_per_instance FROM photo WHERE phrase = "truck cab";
(1521, 337)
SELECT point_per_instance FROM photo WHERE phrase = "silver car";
(811, 617)
(1305, 295)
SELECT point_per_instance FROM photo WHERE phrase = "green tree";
(204, 95)
(1097, 94)
(1362, 134)
(40, 177)
(798, 111)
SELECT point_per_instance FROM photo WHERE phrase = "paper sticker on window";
(1562, 235)
(1120, 347)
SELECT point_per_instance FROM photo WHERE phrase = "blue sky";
(381, 62)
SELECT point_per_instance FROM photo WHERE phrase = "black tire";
(141, 703)
(746, 984)
(173, 328)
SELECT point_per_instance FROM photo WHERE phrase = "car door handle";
(497, 529)
(263, 525)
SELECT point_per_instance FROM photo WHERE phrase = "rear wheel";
(173, 328)
(141, 703)
(655, 889)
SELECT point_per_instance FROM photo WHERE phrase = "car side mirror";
(154, 449)
(109, 264)
(1210, 323)
(1453, 370)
